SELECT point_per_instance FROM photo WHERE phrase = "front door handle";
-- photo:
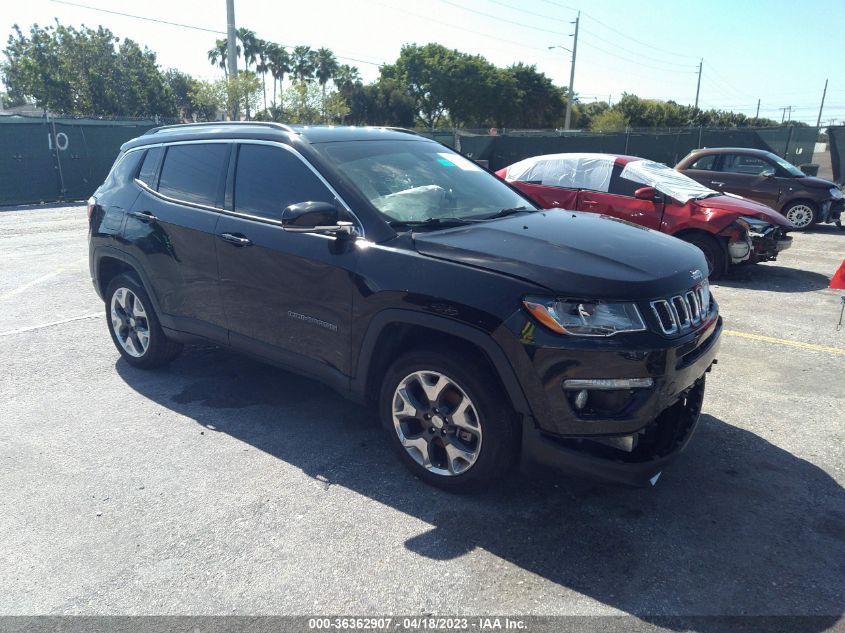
(237, 240)
(717, 183)
(144, 216)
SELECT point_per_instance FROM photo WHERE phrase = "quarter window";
(150, 166)
(194, 173)
(268, 179)
(706, 163)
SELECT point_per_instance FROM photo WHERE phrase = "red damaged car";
(729, 229)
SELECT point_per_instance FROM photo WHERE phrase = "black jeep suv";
(403, 274)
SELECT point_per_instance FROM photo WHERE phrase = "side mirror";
(314, 217)
(645, 193)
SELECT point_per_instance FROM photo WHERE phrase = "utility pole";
(783, 116)
(821, 107)
(231, 48)
(698, 87)
(572, 76)
(757, 115)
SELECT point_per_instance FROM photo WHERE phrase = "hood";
(580, 255)
(816, 183)
(743, 206)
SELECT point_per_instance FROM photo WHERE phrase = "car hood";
(743, 206)
(573, 254)
(816, 183)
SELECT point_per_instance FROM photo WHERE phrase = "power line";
(139, 17)
(623, 34)
(496, 17)
(591, 35)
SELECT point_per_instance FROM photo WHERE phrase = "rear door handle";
(144, 216)
(237, 240)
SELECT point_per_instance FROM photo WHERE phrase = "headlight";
(836, 193)
(585, 318)
(754, 225)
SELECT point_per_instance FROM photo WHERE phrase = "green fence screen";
(45, 160)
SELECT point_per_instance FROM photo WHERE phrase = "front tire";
(134, 325)
(801, 213)
(448, 421)
(714, 253)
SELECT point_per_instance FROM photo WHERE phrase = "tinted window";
(745, 164)
(194, 173)
(123, 170)
(705, 162)
(268, 179)
(150, 165)
(622, 186)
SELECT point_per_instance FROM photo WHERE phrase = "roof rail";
(280, 126)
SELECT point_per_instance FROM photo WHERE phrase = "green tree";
(207, 99)
(325, 68)
(302, 63)
(279, 64)
(304, 102)
(241, 93)
(540, 104)
(608, 121)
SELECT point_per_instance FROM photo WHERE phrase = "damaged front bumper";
(753, 240)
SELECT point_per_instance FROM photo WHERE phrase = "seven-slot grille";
(680, 313)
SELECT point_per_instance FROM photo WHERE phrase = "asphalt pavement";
(220, 485)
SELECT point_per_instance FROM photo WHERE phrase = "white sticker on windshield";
(456, 160)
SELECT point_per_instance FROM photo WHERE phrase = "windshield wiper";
(431, 222)
(506, 212)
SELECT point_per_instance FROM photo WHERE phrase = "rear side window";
(123, 170)
(268, 179)
(150, 166)
(706, 163)
(194, 173)
(622, 186)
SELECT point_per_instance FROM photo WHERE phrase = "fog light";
(581, 399)
(607, 384)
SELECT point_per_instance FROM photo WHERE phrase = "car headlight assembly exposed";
(836, 193)
(755, 226)
(585, 318)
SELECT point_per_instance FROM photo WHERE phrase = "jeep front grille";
(681, 313)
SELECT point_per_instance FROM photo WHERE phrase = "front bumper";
(631, 444)
(765, 248)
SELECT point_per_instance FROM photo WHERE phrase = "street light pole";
(231, 47)
(571, 94)
(698, 87)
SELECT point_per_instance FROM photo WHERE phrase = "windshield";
(791, 169)
(665, 180)
(414, 181)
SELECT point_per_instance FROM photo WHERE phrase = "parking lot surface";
(219, 485)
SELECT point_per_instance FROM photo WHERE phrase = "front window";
(667, 181)
(788, 167)
(413, 182)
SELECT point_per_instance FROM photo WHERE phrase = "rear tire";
(134, 325)
(448, 421)
(717, 258)
(801, 213)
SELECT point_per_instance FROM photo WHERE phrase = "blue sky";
(779, 51)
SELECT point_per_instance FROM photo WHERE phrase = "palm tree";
(345, 77)
(302, 63)
(218, 56)
(280, 65)
(251, 45)
(263, 65)
(325, 68)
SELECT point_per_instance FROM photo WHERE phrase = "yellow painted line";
(787, 342)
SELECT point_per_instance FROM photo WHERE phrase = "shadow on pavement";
(773, 278)
(737, 526)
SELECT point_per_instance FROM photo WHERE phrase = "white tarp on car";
(573, 171)
(667, 181)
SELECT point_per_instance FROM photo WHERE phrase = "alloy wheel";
(437, 423)
(801, 215)
(129, 322)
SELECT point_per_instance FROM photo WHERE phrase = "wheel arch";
(393, 331)
(110, 262)
(721, 242)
